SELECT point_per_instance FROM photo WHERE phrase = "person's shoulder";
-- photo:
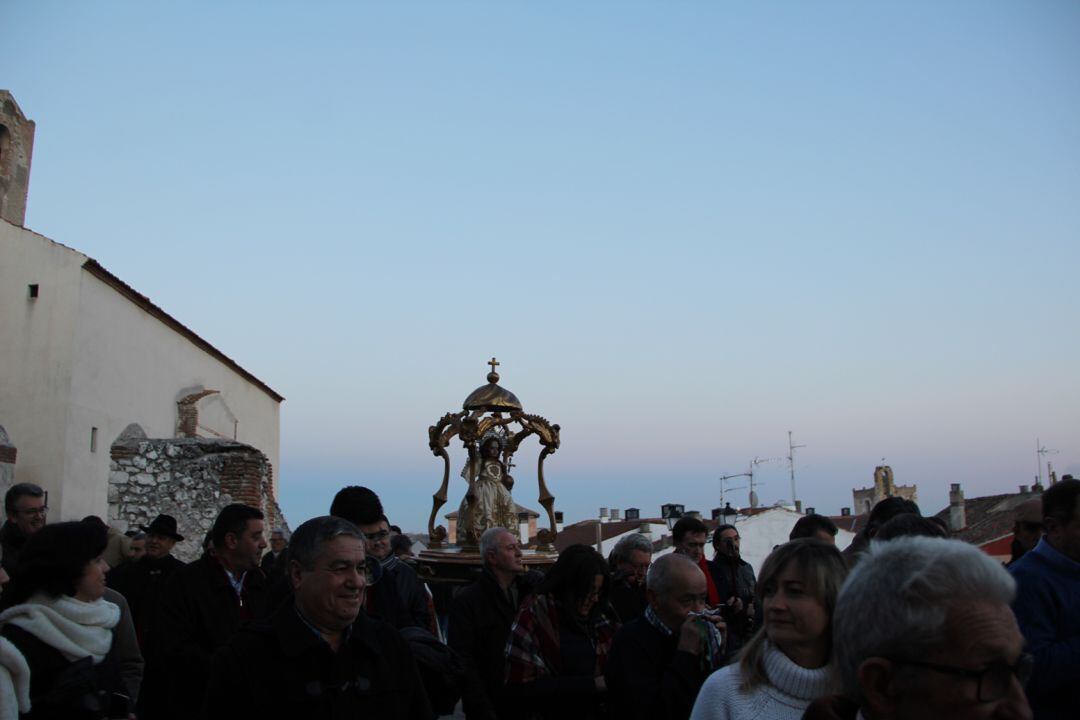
(1032, 568)
(723, 682)
(116, 598)
(377, 634)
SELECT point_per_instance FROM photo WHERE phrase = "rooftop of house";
(988, 518)
(584, 532)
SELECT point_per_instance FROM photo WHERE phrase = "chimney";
(809, 511)
(16, 149)
(845, 512)
(633, 514)
(957, 518)
(603, 514)
(558, 521)
(694, 514)
(615, 514)
(1024, 489)
(646, 530)
(798, 506)
(523, 528)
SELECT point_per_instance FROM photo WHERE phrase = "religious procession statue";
(488, 502)
(491, 425)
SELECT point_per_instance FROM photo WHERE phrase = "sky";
(684, 229)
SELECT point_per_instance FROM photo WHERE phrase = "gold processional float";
(491, 425)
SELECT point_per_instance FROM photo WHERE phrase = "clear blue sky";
(683, 228)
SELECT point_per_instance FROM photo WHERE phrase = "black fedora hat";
(163, 525)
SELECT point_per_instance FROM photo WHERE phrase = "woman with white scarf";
(786, 664)
(55, 616)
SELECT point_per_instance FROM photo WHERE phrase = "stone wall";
(190, 479)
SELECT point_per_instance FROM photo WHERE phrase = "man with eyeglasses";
(25, 505)
(1048, 604)
(923, 631)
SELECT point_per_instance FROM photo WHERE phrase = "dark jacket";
(400, 599)
(125, 647)
(648, 677)
(1046, 609)
(12, 540)
(479, 625)
(736, 579)
(200, 613)
(627, 600)
(280, 668)
(273, 566)
(142, 583)
(62, 689)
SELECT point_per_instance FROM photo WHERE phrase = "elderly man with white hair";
(659, 661)
(923, 631)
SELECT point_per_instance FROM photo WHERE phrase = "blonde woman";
(785, 666)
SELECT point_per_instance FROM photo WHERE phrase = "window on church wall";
(93, 439)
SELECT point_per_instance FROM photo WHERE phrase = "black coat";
(199, 614)
(142, 583)
(648, 677)
(12, 540)
(628, 601)
(479, 626)
(280, 668)
(62, 689)
(736, 579)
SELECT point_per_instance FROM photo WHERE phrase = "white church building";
(83, 356)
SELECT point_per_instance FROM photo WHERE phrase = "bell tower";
(16, 149)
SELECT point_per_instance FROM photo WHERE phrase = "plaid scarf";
(533, 648)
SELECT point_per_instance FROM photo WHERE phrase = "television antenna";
(748, 474)
(1041, 450)
(791, 462)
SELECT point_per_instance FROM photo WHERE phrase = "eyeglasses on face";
(35, 512)
(993, 680)
(377, 536)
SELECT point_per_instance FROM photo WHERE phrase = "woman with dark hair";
(785, 665)
(559, 643)
(55, 615)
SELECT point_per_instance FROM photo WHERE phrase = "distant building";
(85, 357)
(884, 486)
(986, 522)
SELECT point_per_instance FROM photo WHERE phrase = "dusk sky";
(683, 228)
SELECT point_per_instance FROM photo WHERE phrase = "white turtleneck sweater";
(791, 688)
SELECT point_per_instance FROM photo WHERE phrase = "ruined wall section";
(190, 479)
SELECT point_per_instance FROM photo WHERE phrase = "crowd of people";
(334, 622)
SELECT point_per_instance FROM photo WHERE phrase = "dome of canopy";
(491, 397)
